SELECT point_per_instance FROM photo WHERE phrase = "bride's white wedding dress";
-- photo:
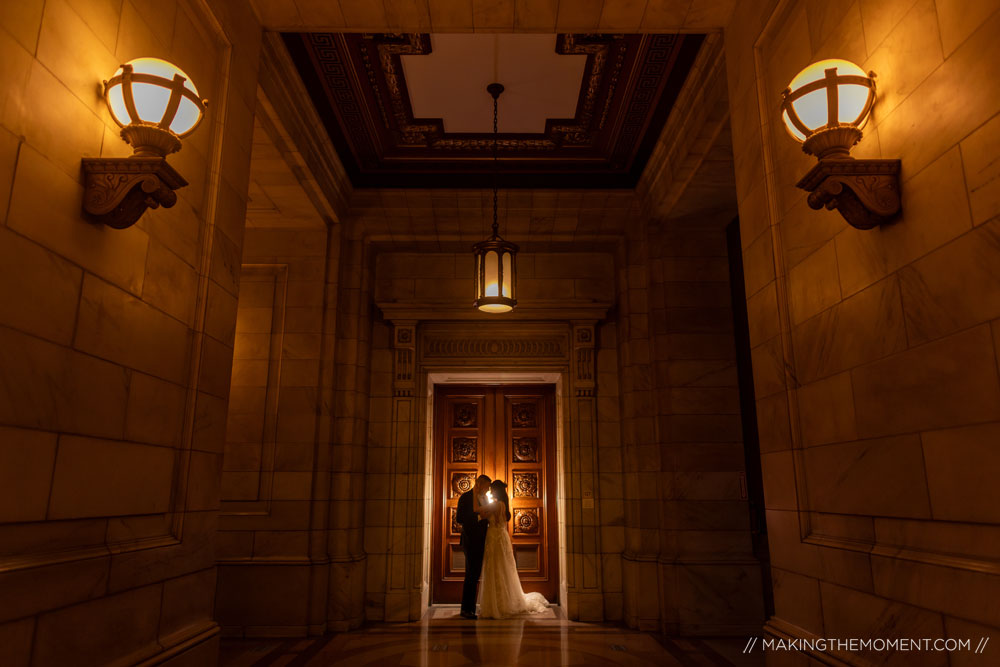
(502, 595)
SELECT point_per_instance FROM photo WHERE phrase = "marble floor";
(444, 638)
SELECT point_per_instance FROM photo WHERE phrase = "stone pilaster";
(404, 580)
(350, 426)
(582, 515)
(641, 456)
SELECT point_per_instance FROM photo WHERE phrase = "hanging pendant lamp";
(496, 266)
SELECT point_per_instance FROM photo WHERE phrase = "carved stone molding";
(284, 103)
(117, 191)
(404, 342)
(507, 345)
(583, 358)
(866, 192)
(494, 347)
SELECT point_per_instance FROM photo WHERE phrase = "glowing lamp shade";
(496, 275)
(155, 103)
(832, 98)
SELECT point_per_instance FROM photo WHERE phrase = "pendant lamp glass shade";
(496, 275)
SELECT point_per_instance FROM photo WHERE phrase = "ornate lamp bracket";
(866, 192)
(117, 191)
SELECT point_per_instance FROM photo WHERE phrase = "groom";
(473, 541)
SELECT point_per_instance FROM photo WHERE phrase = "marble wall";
(116, 344)
(709, 577)
(271, 475)
(875, 352)
(348, 392)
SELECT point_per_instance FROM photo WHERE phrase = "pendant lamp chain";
(495, 171)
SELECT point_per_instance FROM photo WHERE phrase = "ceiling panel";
(450, 82)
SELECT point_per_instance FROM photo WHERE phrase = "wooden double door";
(508, 433)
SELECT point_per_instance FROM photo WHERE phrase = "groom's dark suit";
(473, 541)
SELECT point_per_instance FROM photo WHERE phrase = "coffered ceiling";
(411, 110)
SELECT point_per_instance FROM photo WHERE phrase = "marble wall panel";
(887, 348)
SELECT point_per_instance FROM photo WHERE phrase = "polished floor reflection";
(444, 638)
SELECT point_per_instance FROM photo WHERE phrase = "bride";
(502, 595)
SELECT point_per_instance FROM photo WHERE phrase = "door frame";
(497, 429)
(496, 377)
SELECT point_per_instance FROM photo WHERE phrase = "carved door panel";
(507, 433)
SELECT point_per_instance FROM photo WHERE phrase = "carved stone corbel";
(866, 192)
(117, 191)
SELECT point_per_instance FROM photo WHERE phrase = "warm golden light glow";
(826, 95)
(154, 83)
(824, 107)
(506, 275)
(147, 96)
(492, 270)
(495, 276)
(495, 308)
(489, 496)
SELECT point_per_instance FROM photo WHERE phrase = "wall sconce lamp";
(156, 105)
(824, 107)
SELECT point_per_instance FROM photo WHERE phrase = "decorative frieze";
(464, 347)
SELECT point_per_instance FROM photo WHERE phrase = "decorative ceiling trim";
(284, 102)
(629, 85)
(700, 113)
